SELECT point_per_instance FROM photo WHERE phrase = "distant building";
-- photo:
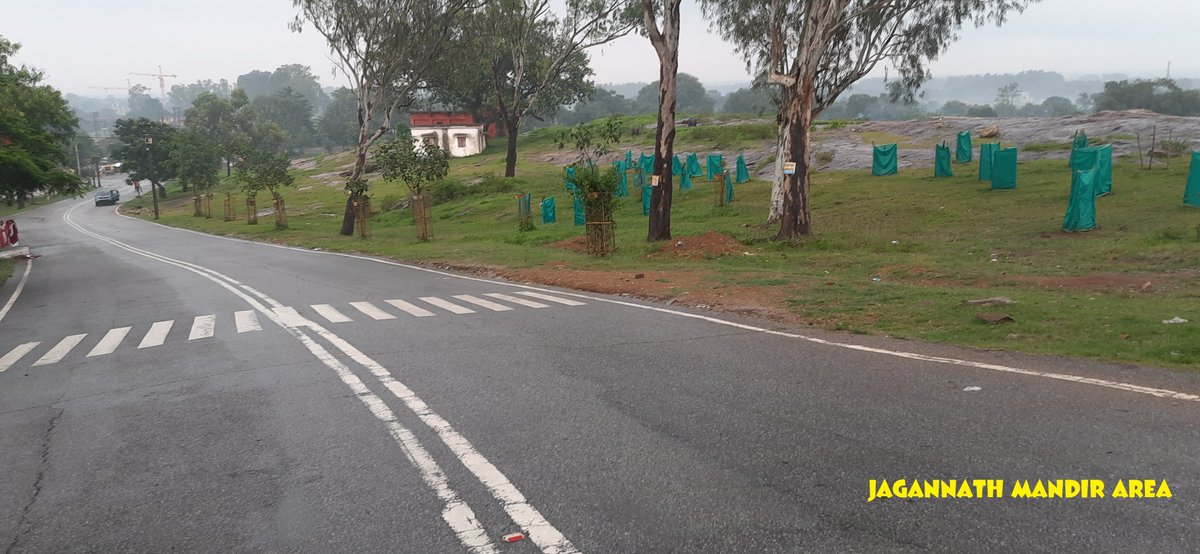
(456, 133)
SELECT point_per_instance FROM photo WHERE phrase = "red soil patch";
(710, 244)
(1093, 282)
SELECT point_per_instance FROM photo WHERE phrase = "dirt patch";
(1099, 282)
(574, 244)
(709, 245)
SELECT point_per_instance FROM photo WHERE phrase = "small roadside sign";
(654, 180)
(789, 168)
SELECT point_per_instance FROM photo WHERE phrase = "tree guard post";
(719, 189)
(251, 210)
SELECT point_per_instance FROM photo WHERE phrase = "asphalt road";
(288, 406)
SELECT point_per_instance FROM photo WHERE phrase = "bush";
(449, 190)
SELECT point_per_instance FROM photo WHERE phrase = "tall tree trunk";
(666, 45)
(783, 144)
(510, 162)
(21, 201)
(350, 216)
(796, 220)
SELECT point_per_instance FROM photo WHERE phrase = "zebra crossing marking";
(330, 313)
(515, 300)
(483, 303)
(448, 306)
(61, 349)
(110, 342)
(157, 334)
(246, 321)
(368, 309)
(411, 309)
(16, 354)
(547, 297)
(203, 327)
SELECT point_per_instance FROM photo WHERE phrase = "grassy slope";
(933, 243)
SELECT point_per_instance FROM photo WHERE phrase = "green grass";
(7, 211)
(931, 241)
(6, 267)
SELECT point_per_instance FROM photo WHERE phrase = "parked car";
(107, 197)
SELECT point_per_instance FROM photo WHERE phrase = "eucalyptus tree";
(518, 59)
(665, 38)
(386, 50)
(813, 50)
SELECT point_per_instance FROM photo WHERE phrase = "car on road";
(107, 197)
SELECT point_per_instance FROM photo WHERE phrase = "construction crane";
(162, 81)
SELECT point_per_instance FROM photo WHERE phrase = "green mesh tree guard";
(941, 163)
(987, 153)
(1081, 207)
(549, 214)
(1104, 171)
(629, 158)
(623, 186)
(743, 172)
(693, 166)
(577, 203)
(1080, 140)
(646, 190)
(1085, 159)
(685, 181)
(728, 190)
(676, 167)
(716, 165)
(1004, 169)
(962, 152)
(569, 178)
(646, 162)
(884, 161)
(1191, 192)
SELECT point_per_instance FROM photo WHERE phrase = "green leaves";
(261, 169)
(415, 166)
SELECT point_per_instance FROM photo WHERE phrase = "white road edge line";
(17, 292)
(1128, 387)
(455, 512)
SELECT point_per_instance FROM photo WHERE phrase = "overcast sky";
(97, 43)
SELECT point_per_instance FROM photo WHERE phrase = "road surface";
(165, 390)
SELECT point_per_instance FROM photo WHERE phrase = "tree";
(533, 61)
(601, 103)
(417, 166)
(141, 104)
(387, 50)
(195, 159)
(1161, 95)
(981, 110)
(954, 107)
(297, 77)
(36, 127)
(859, 105)
(182, 96)
(291, 112)
(1057, 106)
(338, 125)
(265, 170)
(144, 149)
(692, 98)
(754, 100)
(232, 125)
(813, 50)
(666, 44)
(1006, 99)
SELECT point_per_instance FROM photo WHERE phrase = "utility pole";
(78, 166)
(150, 162)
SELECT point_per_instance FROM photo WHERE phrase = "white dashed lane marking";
(330, 313)
(203, 327)
(110, 342)
(483, 303)
(16, 354)
(61, 349)
(515, 300)
(157, 334)
(410, 308)
(246, 321)
(448, 306)
(371, 311)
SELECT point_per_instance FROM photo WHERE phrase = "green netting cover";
(685, 181)
(743, 172)
(1004, 169)
(549, 214)
(884, 160)
(646, 190)
(1191, 193)
(962, 153)
(676, 167)
(728, 189)
(941, 164)
(569, 179)
(623, 186)
(716, 166)
(1085, 159)
(629, 158)
(1081, 208)
(1104, 177)
(578, 205)
(693, 166)
(646, 162)
(987, 153)
(1080, 140)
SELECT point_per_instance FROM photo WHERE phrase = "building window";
(462, 141)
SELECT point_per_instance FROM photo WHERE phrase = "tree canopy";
(692, 97)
